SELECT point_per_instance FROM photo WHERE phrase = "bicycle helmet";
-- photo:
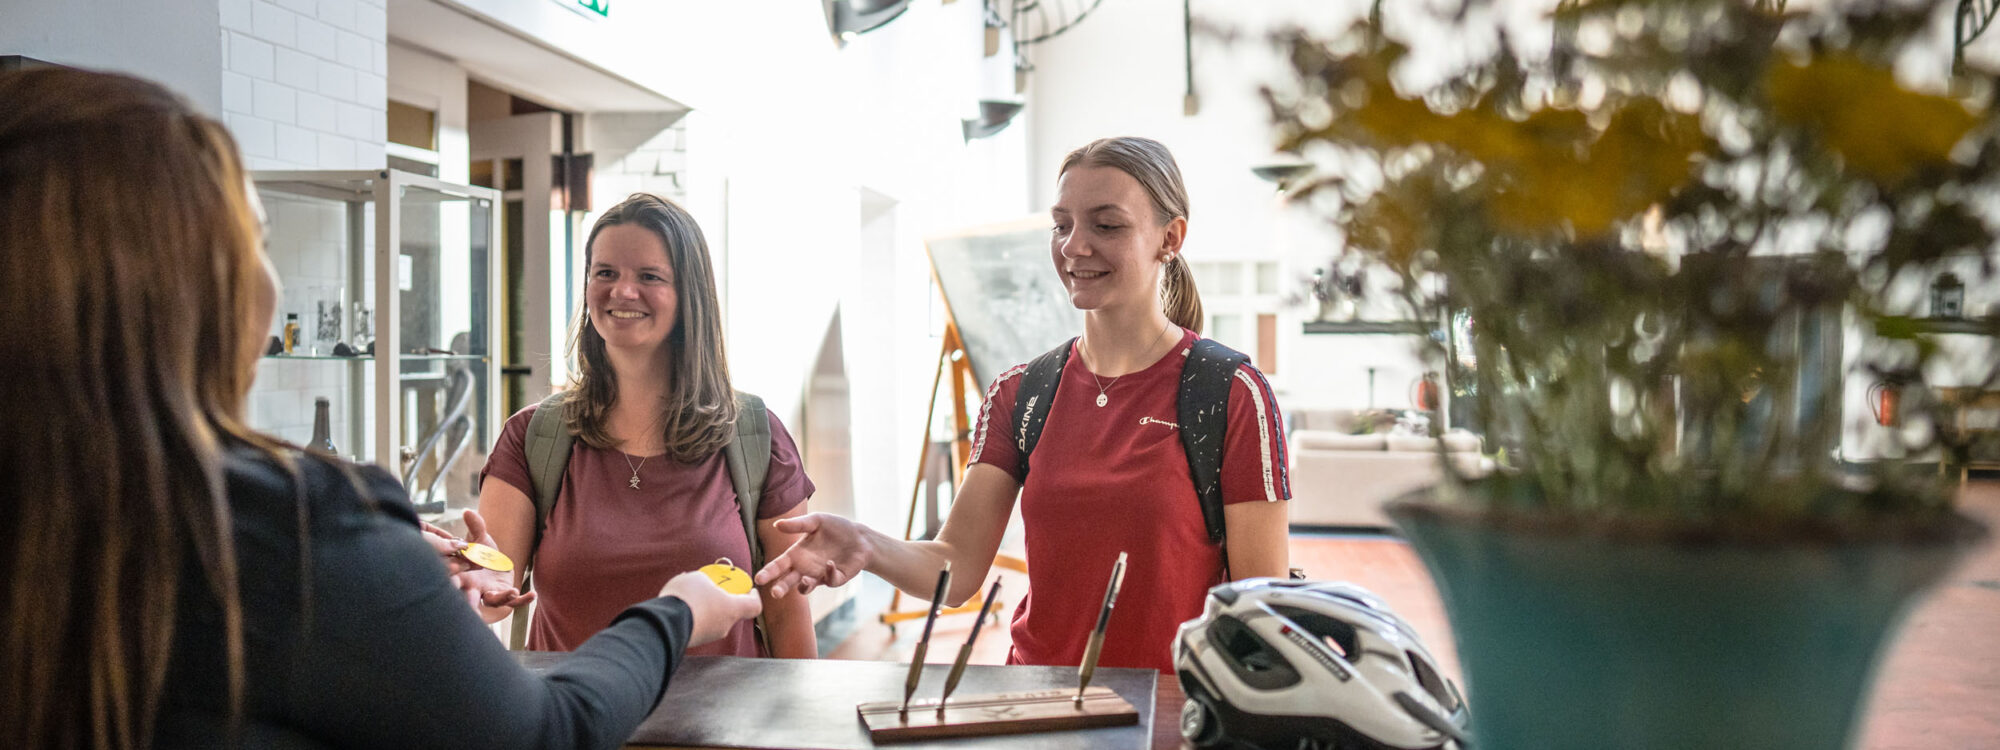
(1302, 664)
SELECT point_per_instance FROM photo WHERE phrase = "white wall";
(174, 42)
(635, 152)
(817, 172)
(304, 82)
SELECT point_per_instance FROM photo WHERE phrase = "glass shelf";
(1904, 326)
(1365, 327)
(371, 357)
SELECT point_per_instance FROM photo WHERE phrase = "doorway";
(824, 427)
(519, 154)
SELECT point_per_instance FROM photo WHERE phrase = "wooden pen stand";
(998, 713)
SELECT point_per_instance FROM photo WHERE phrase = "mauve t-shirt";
(608, 546)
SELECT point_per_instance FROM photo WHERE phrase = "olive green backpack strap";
(749, 459)
(547, 446)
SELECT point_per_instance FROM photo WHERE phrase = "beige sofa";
(1342, 480)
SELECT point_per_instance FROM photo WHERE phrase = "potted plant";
(1676, 237)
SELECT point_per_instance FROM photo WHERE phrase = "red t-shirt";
(608, 546)
(1115, 478)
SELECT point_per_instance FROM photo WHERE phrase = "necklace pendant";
(1102, 400)
(635, 481)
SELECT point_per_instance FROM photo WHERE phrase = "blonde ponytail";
(1180, 300)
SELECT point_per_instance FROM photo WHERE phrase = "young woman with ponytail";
(1109, 474)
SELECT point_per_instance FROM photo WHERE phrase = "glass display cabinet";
(389, 298)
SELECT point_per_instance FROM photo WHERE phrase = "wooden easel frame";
(955, 365)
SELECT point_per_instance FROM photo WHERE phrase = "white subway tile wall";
(636, 153)
(299, 70)
(273, 24)
(318, 39)
(304, 83)
(276, 102)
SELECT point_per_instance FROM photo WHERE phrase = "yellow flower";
(1879, 128)
(1592, 181)
(1551, 169)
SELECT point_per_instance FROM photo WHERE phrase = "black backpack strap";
(1036, 397)
(1203, 409)
(749, 458)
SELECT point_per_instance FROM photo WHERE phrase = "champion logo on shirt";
(1143, 421)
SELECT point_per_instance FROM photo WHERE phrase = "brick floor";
(1939, 686)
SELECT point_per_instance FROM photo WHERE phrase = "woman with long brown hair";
(645, 488)
(174, 578)
(1110, 473)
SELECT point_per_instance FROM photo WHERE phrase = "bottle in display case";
(322, 439)
(291, 332)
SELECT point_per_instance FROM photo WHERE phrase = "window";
(1207, 276)
(415, 127)
(1227, 328)
(1229, 278)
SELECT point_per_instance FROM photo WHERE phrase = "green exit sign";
(598, 8)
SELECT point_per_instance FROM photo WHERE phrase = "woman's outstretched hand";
(832, 552)
(491, 593)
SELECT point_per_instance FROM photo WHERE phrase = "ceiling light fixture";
(994, 114)
(1283, 175)
(851, 18)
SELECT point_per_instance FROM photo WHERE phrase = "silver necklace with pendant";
(635, 469)
(1103, 386)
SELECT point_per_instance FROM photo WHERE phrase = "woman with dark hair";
(1110, 473)
(646, 489)
(173, 578)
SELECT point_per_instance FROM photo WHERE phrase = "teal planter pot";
(1578, 637)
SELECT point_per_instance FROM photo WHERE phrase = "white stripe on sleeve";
(1263, 431)
(986, 411)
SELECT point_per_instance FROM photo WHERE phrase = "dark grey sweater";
(360, 640)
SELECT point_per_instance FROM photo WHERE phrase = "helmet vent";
(1247, 648)
(1253, 660)
(1429, 679)
(1336, 634)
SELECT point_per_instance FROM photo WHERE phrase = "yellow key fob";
(486, 557)
(727, 576)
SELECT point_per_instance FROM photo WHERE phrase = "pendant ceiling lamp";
(994, 114)
(849, 18)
